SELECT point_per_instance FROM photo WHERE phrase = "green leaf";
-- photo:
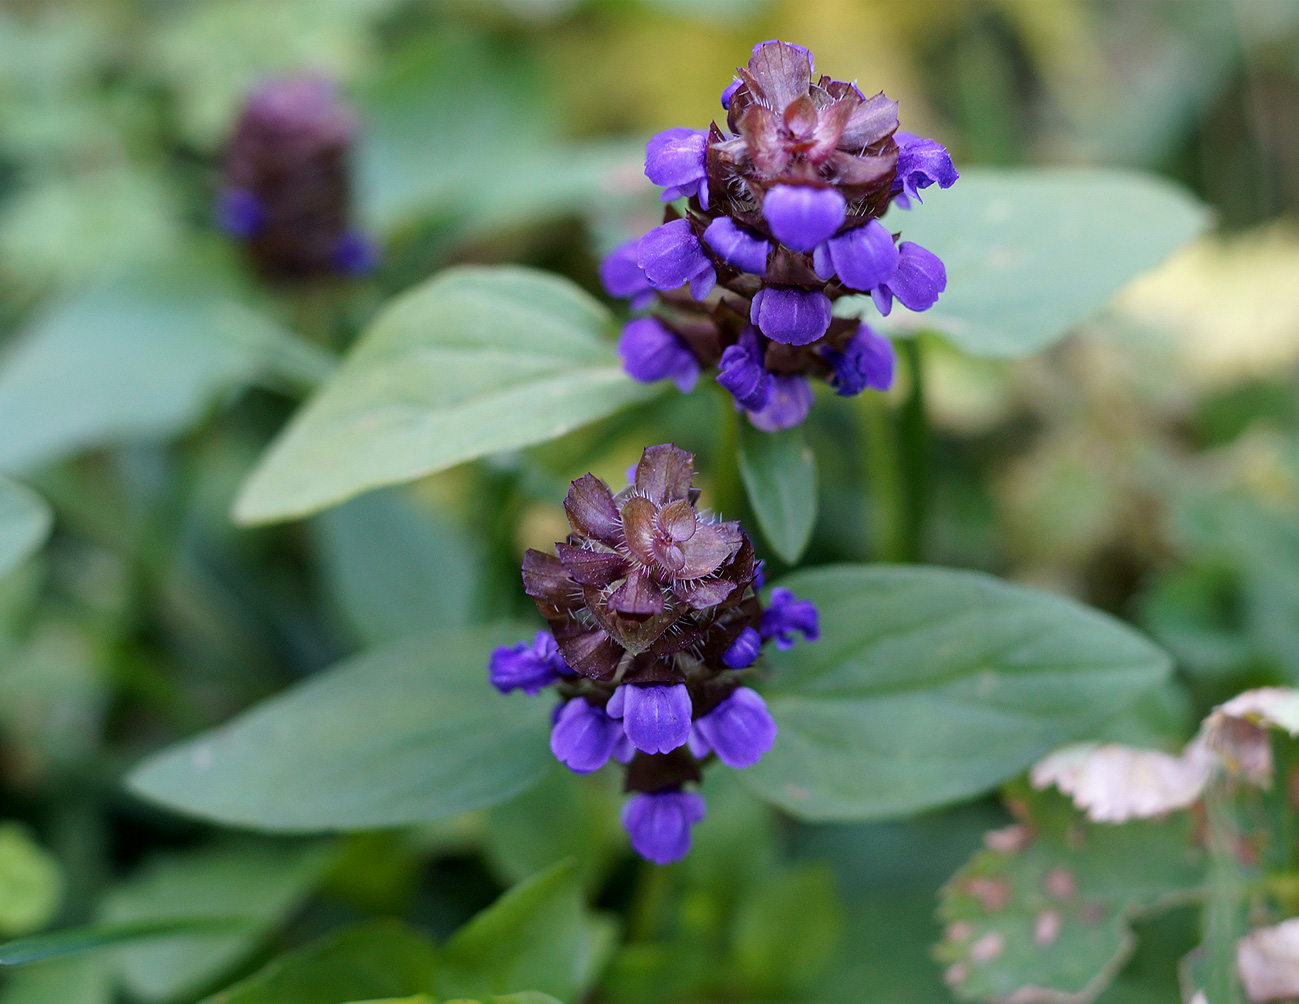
(472, 362)
(787, 930)
(72, 981)
(527, 997)
(373, 961)
(779, 472)
(262, 882)
(405, 733)
(1030, 253)
(25, 522)
(929, 686)
(31, 882)
(91, 937)
(395, 569)
(538, 935)
(1051, 911)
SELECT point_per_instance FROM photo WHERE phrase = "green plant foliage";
(1010, 672)
(1030, 253)
(76, 981)
(787, 930)
(481, 360)
(25, 522)
(31, 883)
(93, 937)
(779, 472)
(408, 732)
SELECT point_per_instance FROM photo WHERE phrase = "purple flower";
(790, 401)
(584, 736)
(744, 651)
(862, 258)
(675, 158)
(739, 730)
(731, 88)
(355, 254)
(658, 823)
(790, 315)
(739, 247)
(801, 216)
(622, 276)
(867, 360)
(655, 715)
(527, 667)
(921, 163)
(742, 373)
(917, 282)
(650, 351)
(786, 615)
(671, 256)
(240, 213)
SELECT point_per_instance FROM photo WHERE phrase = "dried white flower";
(1268, 962)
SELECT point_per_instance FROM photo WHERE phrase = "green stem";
(913, 436)
(1223, 914)
(883, 480)
(727, 491)
(653, 890)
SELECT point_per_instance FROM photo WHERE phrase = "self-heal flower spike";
(777, 213)
(655, 634)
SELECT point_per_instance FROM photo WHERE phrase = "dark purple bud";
(584, 736)
(790, 315)
(655, 716)
(740, 729)
(658, 823)
(240, 213)
(650, 351)
(675, 158)
(862, 258)
(801, 217)
(738, 246)
(921, 163)
(917, 282)
(355, 254)
(867, 361)
(731, 88)
(671, 256)
(742, 373)
(785, 616)
(744, 651)
(622, 276)
(790, 401)
(811, 66)
(759, 574)
(527, 667)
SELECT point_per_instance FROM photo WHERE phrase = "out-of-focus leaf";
(72, 981)
(1009, 673)
(395, 569)
(787, 931)
(475, 361)
(31, 883)
(779, 472)
(93, 937)
(1048, 905)
(25, 522)
(1030, 253)
(371, 961)
(405, 733)
(136, 360)
(262, 882)
(538, 935)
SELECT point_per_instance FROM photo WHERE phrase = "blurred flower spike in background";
(287, 192)
(655, 630)
(781, 219)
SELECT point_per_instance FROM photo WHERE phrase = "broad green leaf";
(31, 882)
(136, 360)
(1030, 253)
(472, 362)
(93, 937)
(405, 733)
(69, 981)
(1051, 909)
(394, 568)
(262, 882)
(25, 522)
(779, 472)
(929, 686)
(538, 935)
(787, 930)
(373, 961)
(527, 997)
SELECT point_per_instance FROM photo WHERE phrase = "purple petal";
(867, 361)
(355, 254)
(801, 217)
(740, 729)
(919, 279)
(584, 737)
(656, 716)
(650, 351)
(791, 400)
(744, 651)
(621, 275)
(737, 246)
(790, 315)
(671, 256)
(742, 373)
(240, 213)
(865, 257)
(731, 88)
(921, 163)
(675, 158)
(658, 824)
(786, 616)
(527, 667)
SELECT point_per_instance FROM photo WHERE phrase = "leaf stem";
(913, 446)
